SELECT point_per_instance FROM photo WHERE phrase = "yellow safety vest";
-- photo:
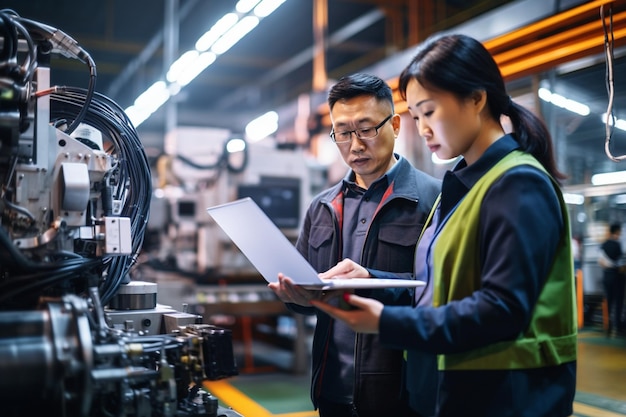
(550, 338)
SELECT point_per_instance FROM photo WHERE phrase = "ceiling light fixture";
(575, 199)
(235, 145)
(179, 66)
(148, 102)
(563, 102)
(201, 62)
(225, 33)
(607, 178)
(262, 126)
(619, 123)
(221, 27)
(244, 6)
(267, 7)
(235, 34)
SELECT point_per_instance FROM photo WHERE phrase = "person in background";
(613, 279)
(373, 215)
(497, 246)
(577, 252)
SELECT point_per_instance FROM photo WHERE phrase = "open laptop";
(270, 252)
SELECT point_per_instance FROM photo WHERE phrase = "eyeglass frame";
(356, 132)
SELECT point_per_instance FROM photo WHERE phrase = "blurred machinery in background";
(202, 167)
(78, 337)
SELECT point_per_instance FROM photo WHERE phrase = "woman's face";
(450, 126)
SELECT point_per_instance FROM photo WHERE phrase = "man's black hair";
(360, 84)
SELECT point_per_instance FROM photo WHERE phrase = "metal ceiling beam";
(145, 55)
(348, 31)
(320, 30)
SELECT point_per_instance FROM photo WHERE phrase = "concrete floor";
(601, 375)
(274, 390)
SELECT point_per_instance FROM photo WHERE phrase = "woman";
(495, 253)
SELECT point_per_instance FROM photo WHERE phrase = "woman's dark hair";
(360, 84)
(461, 65)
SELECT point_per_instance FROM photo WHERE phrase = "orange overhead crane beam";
(542, 45)
(548, 25)
(537, 61)
(590, 31)
(567, 36)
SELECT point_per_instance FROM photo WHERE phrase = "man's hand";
(295, 294)
(364, 319)
(346, 269)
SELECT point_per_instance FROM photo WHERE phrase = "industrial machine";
(197, 171)
(79, 337)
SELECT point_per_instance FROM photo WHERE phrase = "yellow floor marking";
(594, 411)
(247, 407)
(235, 399)
(243, 404)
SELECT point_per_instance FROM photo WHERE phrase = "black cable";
(35, 283)
(132, 171)
(129, 178)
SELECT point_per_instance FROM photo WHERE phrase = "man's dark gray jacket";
(389, 246)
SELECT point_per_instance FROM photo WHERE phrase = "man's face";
(368, 158)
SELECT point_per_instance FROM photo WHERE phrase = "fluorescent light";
(148, 102)
(235, 145)
(235, 33)
(576, 199)
(619, 123)
(219, 28)
(226, 32)
(244, 6)
(563, 102)
(153, 97)
(267, 7)
(262, 126)
(174, 89)
(180, 65)
(606, 178)
(137, 115)
(195, 68)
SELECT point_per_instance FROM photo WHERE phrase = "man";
(612, 278)
(373, 216)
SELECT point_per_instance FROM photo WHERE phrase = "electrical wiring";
(132, 186)
(75, 194)
(56, 40)
(33, 284)
(609, 41)
(24, 275)
(133, 178)
(223, 163)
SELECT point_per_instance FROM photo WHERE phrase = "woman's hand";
(364, 319)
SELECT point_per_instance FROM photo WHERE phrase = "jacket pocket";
(320, 235)
(400, 234)
(322, 247)
(396, 247)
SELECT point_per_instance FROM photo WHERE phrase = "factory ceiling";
(132, 42)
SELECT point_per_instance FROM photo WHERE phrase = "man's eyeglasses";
(362, 133)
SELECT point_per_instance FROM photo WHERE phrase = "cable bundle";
(23, 278)
(133, 184)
